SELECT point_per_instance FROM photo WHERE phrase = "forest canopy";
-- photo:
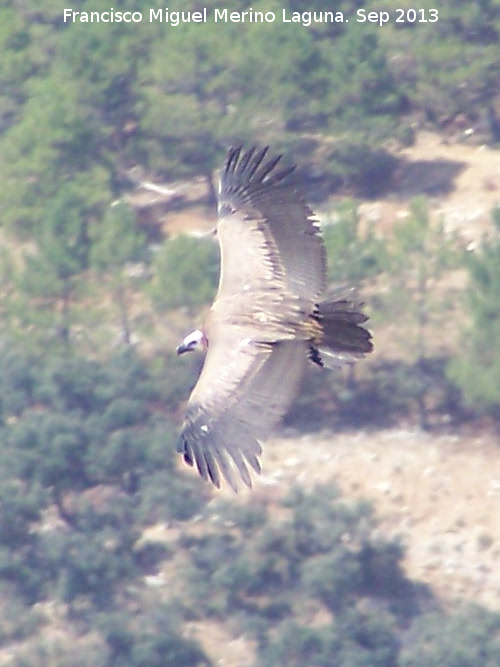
(97, 290)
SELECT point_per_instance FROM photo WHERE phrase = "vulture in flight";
(270, 318)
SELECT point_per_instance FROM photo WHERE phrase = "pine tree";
(52, 272)
(353, 255)
(477, 369)
(184, 273)
(116, 244)
(417, 259)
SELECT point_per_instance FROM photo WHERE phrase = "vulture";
(270, 318)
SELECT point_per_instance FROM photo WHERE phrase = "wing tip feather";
(247, 169)
(213, 464)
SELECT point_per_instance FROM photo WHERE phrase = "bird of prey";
(269, 319)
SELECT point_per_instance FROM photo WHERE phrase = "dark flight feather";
(267, 320)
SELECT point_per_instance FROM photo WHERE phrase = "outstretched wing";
(272, 260)
(243, 390)
(267, 234)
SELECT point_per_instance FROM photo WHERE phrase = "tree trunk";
(126, 333)
(64, 326)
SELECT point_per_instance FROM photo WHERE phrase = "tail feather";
(343, 339)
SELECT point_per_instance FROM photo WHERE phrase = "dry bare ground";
(439, 494)
(461, 181)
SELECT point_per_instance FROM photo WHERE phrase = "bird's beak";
(182, 348)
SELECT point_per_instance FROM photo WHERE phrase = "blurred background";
(372, 538)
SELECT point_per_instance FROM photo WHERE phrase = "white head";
(196, 340)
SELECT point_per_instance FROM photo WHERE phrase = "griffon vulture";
(269, 318)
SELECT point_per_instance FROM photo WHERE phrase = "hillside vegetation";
(111, 553)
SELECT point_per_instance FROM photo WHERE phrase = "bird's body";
(266, 321)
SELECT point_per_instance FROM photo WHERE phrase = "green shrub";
(185, 273)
